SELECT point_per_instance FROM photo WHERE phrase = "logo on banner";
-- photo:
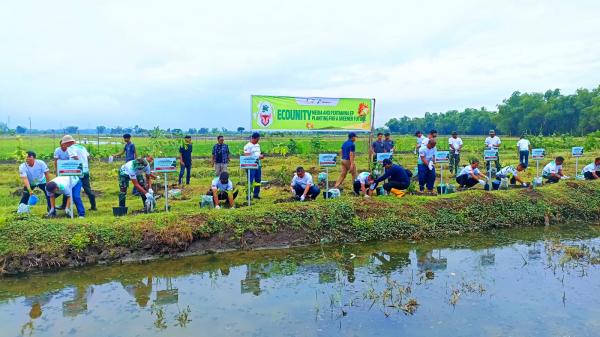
(265, 114)
(363, 109)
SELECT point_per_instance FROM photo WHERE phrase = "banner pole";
(166, 193)
(370, 156)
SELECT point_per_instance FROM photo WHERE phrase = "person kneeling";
(470, 175)
(592, 171)
(222, 189)
(302, 185)
(363, 183)
(70, 187)
(553, 170)
(398, 178)
(512, 173)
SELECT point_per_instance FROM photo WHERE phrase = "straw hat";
(67, 139)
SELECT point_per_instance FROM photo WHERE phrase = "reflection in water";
(359, 289)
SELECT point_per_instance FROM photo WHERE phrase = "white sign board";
(72, 168)
(577, 151)
(382, 156)
(489, 155)
(165, 164)
(442, 157)
(327, 159)
(249, 162)
(538, 154)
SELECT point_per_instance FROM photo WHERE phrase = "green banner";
(280, 113)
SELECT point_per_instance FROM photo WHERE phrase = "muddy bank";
(35, 244)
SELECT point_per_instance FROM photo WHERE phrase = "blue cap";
(255, 135)
(387, 161)
(351, 135)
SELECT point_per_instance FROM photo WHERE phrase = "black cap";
(127, 135)
(351, 135)
(418, 132)
(255, 135)
(387, 161)
(454, 133)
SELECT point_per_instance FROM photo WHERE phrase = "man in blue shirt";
(129, 149)
(220, 156)
(378, 146)
(397, 176)
(348, 155)
(388, 143)
(185, 159)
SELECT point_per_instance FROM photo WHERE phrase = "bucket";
(332, 193)
(119, 211)
(207, 201)
(33, 199)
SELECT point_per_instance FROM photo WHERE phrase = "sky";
(195, 63)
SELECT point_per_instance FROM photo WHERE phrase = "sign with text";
(283, 113)
(577, 151)
(249, 162)
(384, 155)
(442, 157)
(538, 154)
(165, 164)
(73, 168)
(327, 159)
(489, 155)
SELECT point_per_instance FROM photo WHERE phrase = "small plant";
(79, 241)
(317, 145)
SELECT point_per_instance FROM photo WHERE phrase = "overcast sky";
(195, 63)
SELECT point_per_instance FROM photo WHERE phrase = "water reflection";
(359, 289)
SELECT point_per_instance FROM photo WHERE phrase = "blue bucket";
(33, 199)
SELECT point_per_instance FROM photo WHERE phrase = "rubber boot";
(398, 193)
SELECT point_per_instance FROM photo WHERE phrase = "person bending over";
(512, 173)
(363, 183)
(553, 170)
(302, 185)
(470, 175)
(397, 176)
(592, 171)
(222, 189)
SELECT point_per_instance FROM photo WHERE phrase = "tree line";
(534, 113)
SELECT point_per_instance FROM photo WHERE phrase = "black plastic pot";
(119, 211)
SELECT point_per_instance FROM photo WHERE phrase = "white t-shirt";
(426, 152)
(468, 170)
(507, 172)
(64, 185)
(420, 140)
(306, 180)
(456, 142)
(551, 168)
(491, 141)
(83, 154)
(64, 155)
(523, 144)
(253, 149)
(36, 174)
(133, 169)
(216, 183)
(591, 168)
(363, 178)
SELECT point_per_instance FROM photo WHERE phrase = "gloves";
(564, 177)
(151, 191)
(367, 196)
(52, 213)
(111, 159)
(482, 182)
(430, 165)
(524, 184)
(372, 187)
(149, 195)
(302, 197)
(68, 212)
(217, 207)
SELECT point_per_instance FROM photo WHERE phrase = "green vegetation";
(535, 113)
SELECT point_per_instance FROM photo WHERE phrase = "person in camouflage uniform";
(138, 172)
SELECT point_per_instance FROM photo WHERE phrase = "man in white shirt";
(420, 139)
(253, 149)
(34, 173)
(70, 188)
(363, 183)
(432, 135)
(470, 175)
(426, 166)
(553, 170)
(512, 173)
(82, 153)
(64, 151)
(455, 144)
(592, 171)
(302, 185)
(222, 189)
(524, 148)
(493, 143)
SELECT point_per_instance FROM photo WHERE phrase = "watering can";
(33, 199)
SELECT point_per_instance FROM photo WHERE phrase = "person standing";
(253, 149)
(64, 151)
(34, 173)
(388, 143)
(302, 185)
(493, 143)
(348, 159)
(426, 166)
(456, 145)
(70, 188)
(524, 148)
(220, 156)
(185, 159)
(83, 155)
(420, 139)
(378, 146)
(592, 171)
(129, 149)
